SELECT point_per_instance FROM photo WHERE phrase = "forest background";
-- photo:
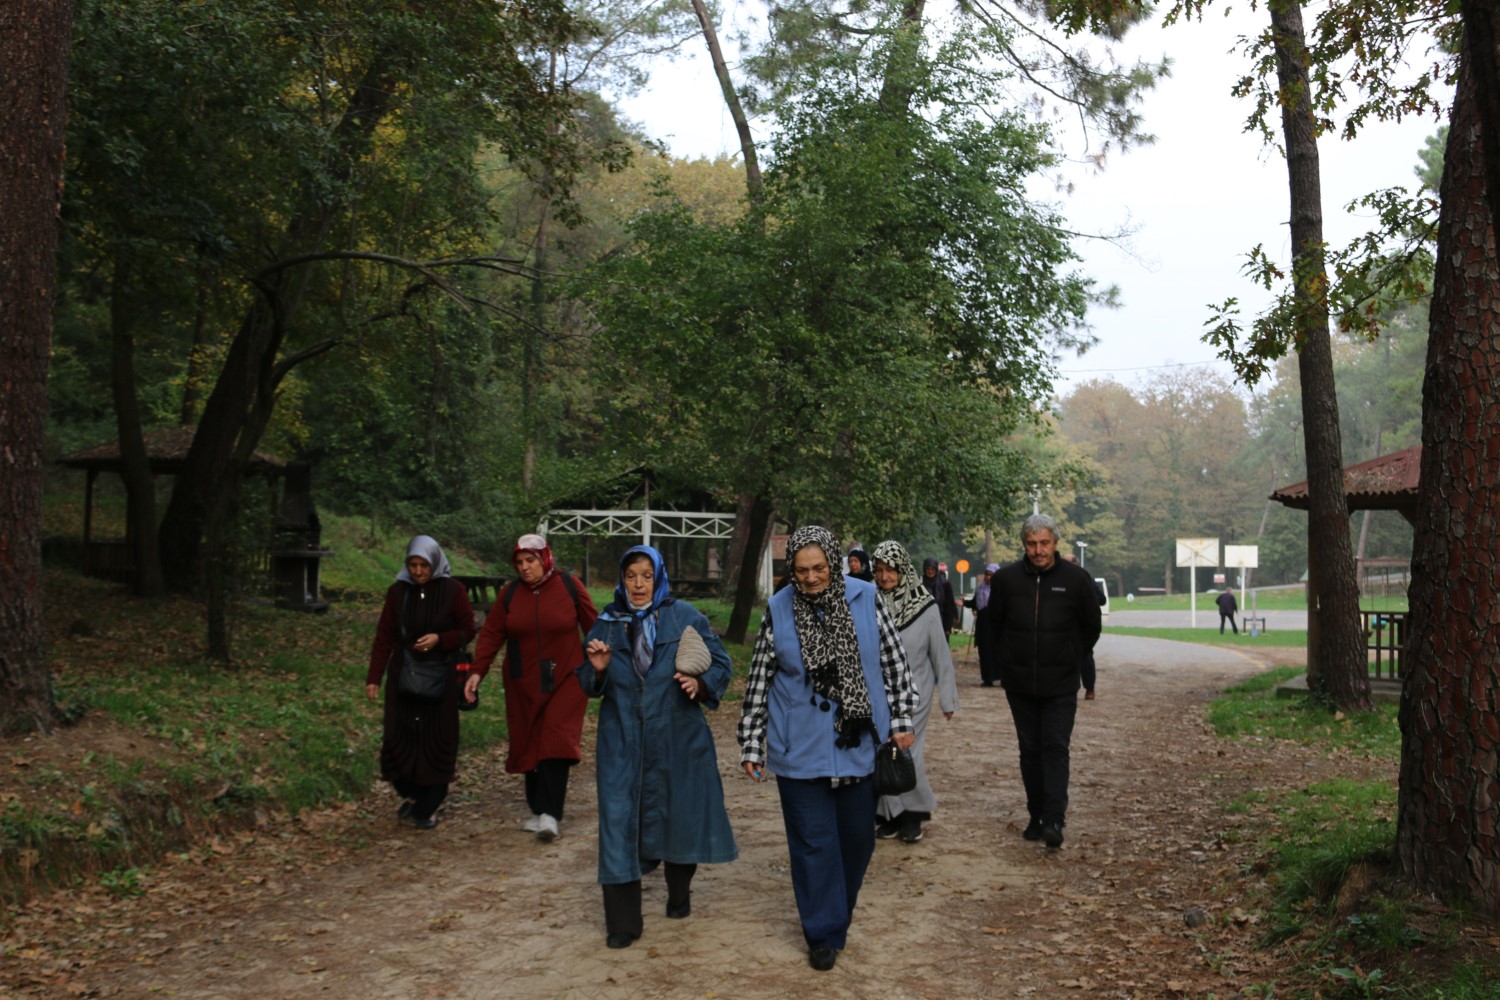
(477, 316)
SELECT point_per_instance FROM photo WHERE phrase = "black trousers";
(425, 798)
(1223, 617)
(1044, 730)
(547, 787)
(622, 900)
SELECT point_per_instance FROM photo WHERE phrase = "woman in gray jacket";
(917, 617)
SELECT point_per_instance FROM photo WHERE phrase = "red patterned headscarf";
(537, 546)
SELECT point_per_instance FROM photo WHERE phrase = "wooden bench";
(482, 590)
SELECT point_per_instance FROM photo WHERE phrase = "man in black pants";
(1044, 620)
(1227, 607)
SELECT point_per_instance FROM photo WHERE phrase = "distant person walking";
(989, 664)
(1044, 621)
(1227, 607)
(859, 565)
(942, 593)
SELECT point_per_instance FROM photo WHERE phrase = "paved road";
(1208, 617)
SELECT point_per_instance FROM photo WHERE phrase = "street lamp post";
(1083, 550)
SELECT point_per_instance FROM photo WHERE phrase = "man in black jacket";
(1044, 620)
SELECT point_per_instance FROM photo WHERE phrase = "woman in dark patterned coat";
(427, 612)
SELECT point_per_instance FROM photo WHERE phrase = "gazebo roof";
(167, 449)
(1385, 483)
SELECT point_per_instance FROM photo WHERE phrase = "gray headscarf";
(427, 548)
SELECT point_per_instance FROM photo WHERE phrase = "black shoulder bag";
(421, 679)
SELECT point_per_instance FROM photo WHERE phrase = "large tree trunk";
(896, 88)
(1448, 818)
(1336, 659)
(1481, 20)
(35, 36)
(140, 484)
(753, 183)
(221, 432)
(762, 515)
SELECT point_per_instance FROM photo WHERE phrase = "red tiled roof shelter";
(1385, 483)
(1388, 482)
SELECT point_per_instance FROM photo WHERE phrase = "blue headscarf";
(620, 609)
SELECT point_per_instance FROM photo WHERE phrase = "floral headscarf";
(830, 648)
(537, 546)
(425, 547)
(643, 620)
(908, 598)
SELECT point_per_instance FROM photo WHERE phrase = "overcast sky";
(1198, 199)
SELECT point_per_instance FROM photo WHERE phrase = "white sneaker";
(546, 829)
(533, 824)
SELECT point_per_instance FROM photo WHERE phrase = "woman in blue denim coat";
(660, 797)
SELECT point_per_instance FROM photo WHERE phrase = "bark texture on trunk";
(1336, 659)
(35, 36)
(1448, 815)
(761, 516)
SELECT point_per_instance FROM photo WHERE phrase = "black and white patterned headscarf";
(908, 598)
(830, 648)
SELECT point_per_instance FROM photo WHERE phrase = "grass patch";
(367, 556)
(1326, 853)
(1251, 710)
(1278, 599)
(1211, 637)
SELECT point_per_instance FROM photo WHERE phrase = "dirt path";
(347, 904)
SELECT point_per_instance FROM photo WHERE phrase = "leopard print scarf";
(830, 648)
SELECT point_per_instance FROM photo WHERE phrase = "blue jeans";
(1044, 729)
(830, 834)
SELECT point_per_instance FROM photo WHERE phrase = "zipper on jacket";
(1036, 630)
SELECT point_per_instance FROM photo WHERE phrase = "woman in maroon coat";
(428, 612)
(539, 620)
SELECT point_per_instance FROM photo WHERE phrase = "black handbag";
(424, 680)
(895, 770)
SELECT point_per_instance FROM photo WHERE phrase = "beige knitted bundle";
(692, 653)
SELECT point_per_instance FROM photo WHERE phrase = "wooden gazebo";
(1388, 482)
(166, 449)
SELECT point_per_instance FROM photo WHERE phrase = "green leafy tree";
(897, 294)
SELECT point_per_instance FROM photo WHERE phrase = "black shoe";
(911, 829)
(1052, 835)
(888, 828)
(822, 959)
(430, 823)
(620, 939)
(405, 811)
(684, 909)
(1033, 830)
